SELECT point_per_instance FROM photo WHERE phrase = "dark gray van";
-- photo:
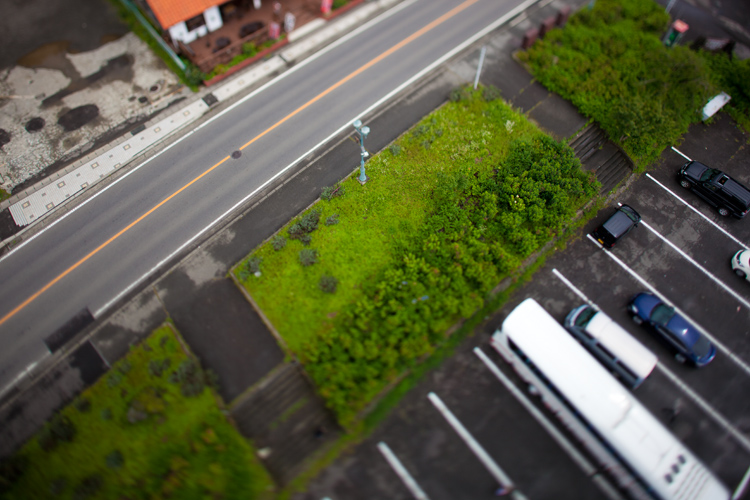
(717, 188)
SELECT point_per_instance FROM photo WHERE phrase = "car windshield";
(662, 314)
(709, 174)
(631, 215)
(701, 347)
(585, 316)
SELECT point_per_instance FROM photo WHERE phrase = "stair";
(601, 156)
(282, 416)
(587, 142)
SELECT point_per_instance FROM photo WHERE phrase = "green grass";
(450, 210)
(374, 219)
(183, 447)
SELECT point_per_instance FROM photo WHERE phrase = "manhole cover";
(35, 124)
(78, 117)
(236, 154)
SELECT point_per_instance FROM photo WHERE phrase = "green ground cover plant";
(449, 212)
(148, 429)
(610, 62)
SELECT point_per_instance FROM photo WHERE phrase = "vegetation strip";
(364, 285)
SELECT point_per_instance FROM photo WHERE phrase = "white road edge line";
(346, 125)
(583, 463)
(680, 153)
(290, 71)
(740, 491)
(726, 233)
(22, 374)
(401, 471)
(707, 408)
(700, 268)
(720, 346)
(500, 476)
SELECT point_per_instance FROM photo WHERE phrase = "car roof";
(618, 223)
(685, 330)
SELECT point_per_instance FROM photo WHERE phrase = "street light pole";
(362, 131)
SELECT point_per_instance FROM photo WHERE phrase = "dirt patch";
(4, 137)
(78, 117)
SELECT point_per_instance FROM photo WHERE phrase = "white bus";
(645, 459)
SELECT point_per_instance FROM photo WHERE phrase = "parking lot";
(680, 251)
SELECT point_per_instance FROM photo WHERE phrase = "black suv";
(716, 187)
(621, 223)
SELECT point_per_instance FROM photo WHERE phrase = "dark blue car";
(672, 329)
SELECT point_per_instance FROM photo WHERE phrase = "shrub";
(115, 460)
(332, 220)
(60, 428)
(490, 93)
(328, 283)
(11, 469)
(114, 378)
(278, 242)
(460, 94)
(305, 225)
(330, 192)
(125, 366)
(106, 414)
(190, 377)
(308, 256)
(156, 367)
(88, 487)
(395, 149)
(82, 404)
(250, 267)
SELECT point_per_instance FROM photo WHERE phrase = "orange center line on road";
(312, 101)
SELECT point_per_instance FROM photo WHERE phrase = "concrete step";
(282, 416)
(614, 170)
(588, 142)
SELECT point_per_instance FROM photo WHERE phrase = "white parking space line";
(740, 491)
(581, 461)
(500, 476)
(726, 233)
(573, 288)
(401, 471)
(701, 268)
(719, 346)
(680, 153)
(705, 406)
(723, 422)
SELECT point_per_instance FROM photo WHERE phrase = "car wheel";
(679, 358)
(637, 320)
(723, 212)
(740, 273)
(685, 184)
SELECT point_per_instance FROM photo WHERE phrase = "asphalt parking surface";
(709, 401)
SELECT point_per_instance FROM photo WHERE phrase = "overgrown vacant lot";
(149, 429)
(365, 284)
(611, 63)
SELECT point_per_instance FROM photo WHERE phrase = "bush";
(82, 404)
(115, 460)
(250, 267)
(88, 487)
(59, 429)
(332, 220)
(308, 256)
(305, 225)
(460, 94)
(278, 242)
(11, 469)
(330, 192)
(156, 367)
(328, 284)
(395, 149)
(490, 93)
(190, 377)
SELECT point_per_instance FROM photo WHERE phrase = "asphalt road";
(96, 253)
(711, 402)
